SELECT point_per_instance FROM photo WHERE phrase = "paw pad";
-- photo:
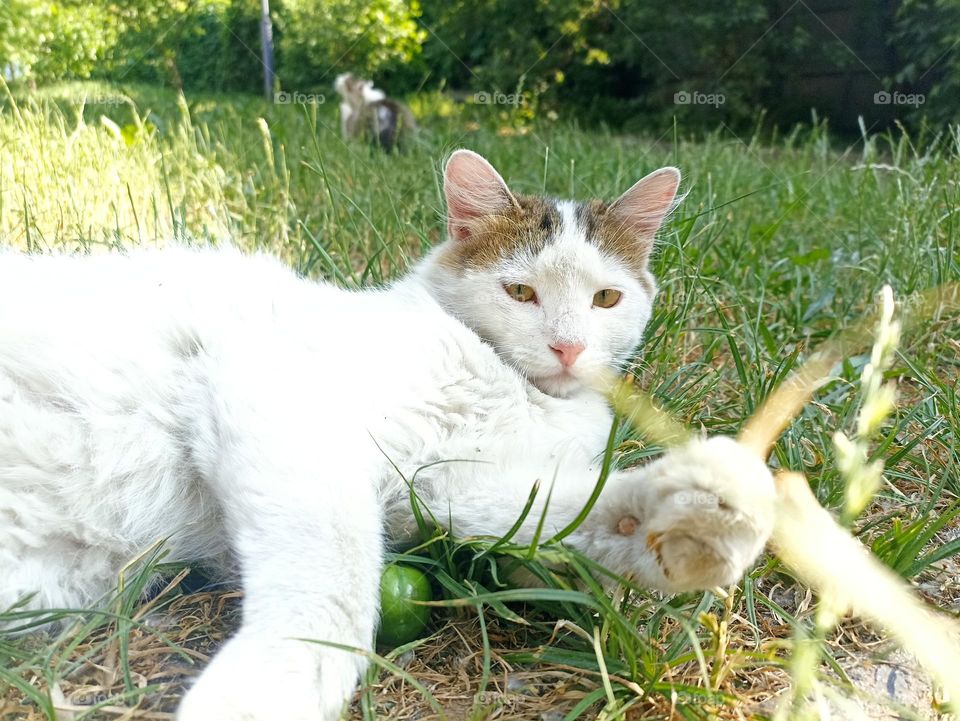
(627, 526)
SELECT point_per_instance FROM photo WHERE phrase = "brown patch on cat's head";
(615, 238)
(486, 222)
(530, 225)
(349, 85)
(526, 226)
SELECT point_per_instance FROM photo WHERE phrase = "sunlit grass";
(782, 242)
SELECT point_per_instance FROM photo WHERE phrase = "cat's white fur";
(252, 418)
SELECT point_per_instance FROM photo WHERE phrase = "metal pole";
(266, 45)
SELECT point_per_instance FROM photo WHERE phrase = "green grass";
(782, 240)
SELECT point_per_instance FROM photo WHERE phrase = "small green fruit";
(401, 619)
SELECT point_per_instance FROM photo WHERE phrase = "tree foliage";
(928, 36)
(54, 39)
(318, 40)
(611, 60)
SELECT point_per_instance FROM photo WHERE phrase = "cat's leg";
(696, 518)
(346, 125)
(309, 545)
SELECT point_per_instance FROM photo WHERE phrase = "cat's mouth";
(559, 384)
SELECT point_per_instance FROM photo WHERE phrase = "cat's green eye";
(606, 298)
(520, 292)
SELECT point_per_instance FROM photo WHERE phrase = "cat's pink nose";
(567, 352)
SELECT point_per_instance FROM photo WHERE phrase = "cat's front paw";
(254, 679)
(710, 515)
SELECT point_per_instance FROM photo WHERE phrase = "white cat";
(252, 417)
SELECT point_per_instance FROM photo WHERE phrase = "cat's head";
(349, 85)
(561, 289)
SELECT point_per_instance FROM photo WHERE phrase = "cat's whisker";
(827, 558)
(639, 409)
(787, 400)
(783, 405)
(806, 538)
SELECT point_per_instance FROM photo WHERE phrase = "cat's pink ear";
(644, 207)
(473, 189)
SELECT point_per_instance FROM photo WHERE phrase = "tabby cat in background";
(366, 111)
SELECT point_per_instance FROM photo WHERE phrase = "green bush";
(616, 60)
(319, 40)
(196, 44)
(51, 40)
(215, 44)
(927, 38)
(622, 62)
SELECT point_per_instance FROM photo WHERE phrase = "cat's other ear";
(473, 189)
(644, 207)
